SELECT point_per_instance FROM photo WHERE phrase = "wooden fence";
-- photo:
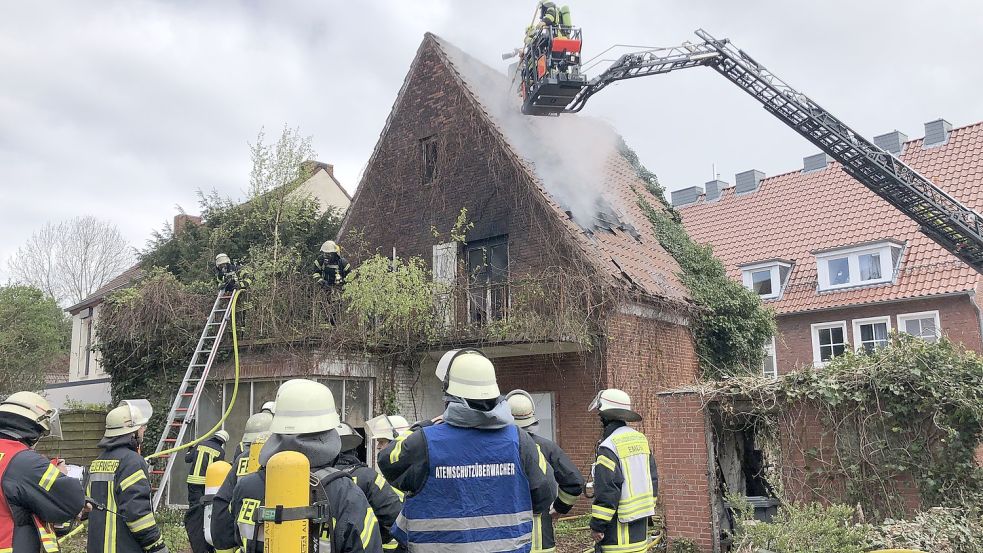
(82, 430)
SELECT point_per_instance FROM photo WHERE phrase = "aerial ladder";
(552, 84)
(185, 405)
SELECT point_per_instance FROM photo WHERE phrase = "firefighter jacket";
(570, 484)
(224, 538)
(198, 458)
(33, 495)
(476, 467)
(626, 482)
(383, 498)
(332, 270)
(118, 480)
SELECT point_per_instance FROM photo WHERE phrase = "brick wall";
(957, 316)
(684, 489)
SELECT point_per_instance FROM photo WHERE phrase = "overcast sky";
(123, 110)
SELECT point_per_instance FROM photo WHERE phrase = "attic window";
(766, 279)
(428, 149)
(859, 266)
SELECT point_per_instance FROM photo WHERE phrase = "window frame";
(858, 346)
(426, 143)
(775, 267)
(552, 403)
(888, 266)
(902, 318)
(770, 348)
(490, 286)
(814, 331)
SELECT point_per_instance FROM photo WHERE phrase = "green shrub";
(810, 528)
(939, 530)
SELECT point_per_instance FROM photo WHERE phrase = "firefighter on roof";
(229, 275)
(332, 269)
(625, 478)
(34, 493)
(385, 501)
(306, 422)
(123, 520)
(198, 458)
(568, 478)
(475, 479)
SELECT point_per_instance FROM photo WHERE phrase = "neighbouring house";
(324, 187)
(840, 266)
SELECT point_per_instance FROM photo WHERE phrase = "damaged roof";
(575, 162)
(796, 215)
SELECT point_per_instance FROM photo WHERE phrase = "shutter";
(444, 276)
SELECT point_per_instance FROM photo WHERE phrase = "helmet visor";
(54, 424)
(596, 403)
(140, 410)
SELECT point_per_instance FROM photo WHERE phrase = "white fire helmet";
(349, 438)
(329, 247)
(303, 407)
(222, 259)
(614, 404)
(523, 408)
(128, 417)
(468, 374)
(34, 408)
(386, 427)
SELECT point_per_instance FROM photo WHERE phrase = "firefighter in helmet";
(230, 275)
(474, 479)
(569, 480)
(198, 458)
(123, 518)
(306, 421)
(332, 269)
(626, 481)
(34, 492)
(257, 427)
(385, 501)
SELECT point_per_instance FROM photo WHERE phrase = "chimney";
(714, 189)
(182, 220)
(686, 196)
(311, 166)
(937, 133)
(329, 168)
(748, 181)
(892, 142)
(816, 162)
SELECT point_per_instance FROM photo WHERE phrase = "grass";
(171, 522)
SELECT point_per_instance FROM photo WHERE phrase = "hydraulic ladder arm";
(941, 217)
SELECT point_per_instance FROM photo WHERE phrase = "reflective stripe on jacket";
(476, 497)
(633, 455)
(118, 480)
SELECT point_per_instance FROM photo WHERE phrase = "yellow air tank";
(254, 449)
(214, 477)
(287, 486)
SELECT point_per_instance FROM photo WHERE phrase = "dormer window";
(767, 278)
(858, 266)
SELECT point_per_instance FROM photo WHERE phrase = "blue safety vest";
(476, 496)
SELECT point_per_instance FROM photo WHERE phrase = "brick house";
(840, 266)
(552, 202)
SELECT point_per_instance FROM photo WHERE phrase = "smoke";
(570, 153)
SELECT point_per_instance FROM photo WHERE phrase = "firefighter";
(332, 269)
(34, 492)
(384, 429)
(306, 422)
(569, 481)
(198, 458)
(229, 275)
(626, 482)
(123, 519)
(385, 501)
(256, 424)
(474, 479)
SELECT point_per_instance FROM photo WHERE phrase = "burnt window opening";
(488, 279)
(428, 169)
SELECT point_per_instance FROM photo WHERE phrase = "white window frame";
(888, 267)
(770, 350)
(539, 398)
(858, 345)
(776, 277)
(815, 328)
(904, 317)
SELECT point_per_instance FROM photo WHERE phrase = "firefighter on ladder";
(229, 275)
(569, 481)
(198, 459)
(34, 492)
(306, 422)
(474, 479)
(123, 519)
(331, 268)
(626, 482)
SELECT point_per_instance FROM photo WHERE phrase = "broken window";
(488, 273)
(428, 148)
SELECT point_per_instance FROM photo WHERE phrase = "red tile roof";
(586, 163)
(793, 215)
